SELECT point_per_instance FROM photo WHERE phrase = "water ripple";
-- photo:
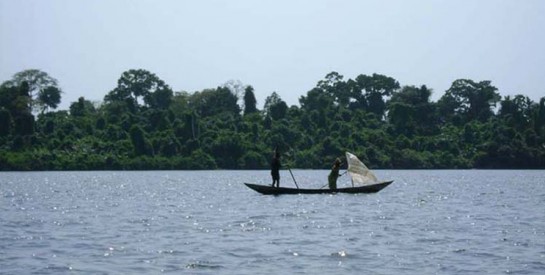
(453, 222)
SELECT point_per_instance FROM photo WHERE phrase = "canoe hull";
(269, 190)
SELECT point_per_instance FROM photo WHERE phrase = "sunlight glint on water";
(452, 222)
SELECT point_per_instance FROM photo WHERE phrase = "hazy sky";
(282, 46)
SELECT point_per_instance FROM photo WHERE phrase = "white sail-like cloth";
(361, 175)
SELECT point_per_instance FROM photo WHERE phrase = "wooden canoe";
(269, 190)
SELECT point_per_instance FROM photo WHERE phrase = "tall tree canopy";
(250, 103)
(372, 89)
(411, 111)
(275, 106)
(43, 90)
(212, 102)
(472, 100)
(136, 84)
(144, 125)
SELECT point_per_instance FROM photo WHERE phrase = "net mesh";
(361, 175)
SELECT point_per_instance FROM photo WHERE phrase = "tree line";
(143, 124)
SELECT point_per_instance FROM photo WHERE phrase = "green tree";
(473, 100)
(373, 89)
(316, 106)
(136, 84)
(275, 107)
(50, 97)
(5, 122)
(249, 101)
(43, 89)
(519, 109)
(139, 141)
(227, 148)
(539, 118)
(141, 126)
(253, 160)
(16, 100)
(24, 124)
(82, 107)
(411, 112)
(316, 99)
(334, 85)
(212, 102)
(160, 99)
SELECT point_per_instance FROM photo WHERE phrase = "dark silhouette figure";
(332, 178)
(275, 168)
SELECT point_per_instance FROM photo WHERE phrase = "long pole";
(291, 173)
(293, 177)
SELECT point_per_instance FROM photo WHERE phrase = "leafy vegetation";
(143, 124)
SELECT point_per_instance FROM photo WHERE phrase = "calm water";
(208, 222)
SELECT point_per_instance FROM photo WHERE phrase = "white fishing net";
(361, 175)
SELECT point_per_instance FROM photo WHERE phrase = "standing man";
(275, 168)
(332, 178)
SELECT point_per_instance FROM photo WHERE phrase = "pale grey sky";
(277, 45)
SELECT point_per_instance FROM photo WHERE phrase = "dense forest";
(143, 124)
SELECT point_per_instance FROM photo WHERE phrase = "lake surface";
(208, 222)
